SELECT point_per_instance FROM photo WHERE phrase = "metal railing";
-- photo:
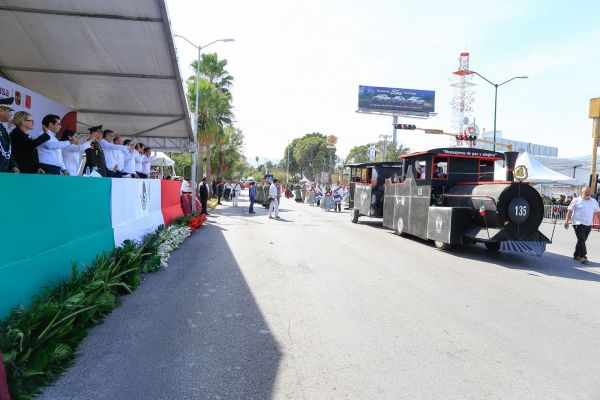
(560, 213)
(552, 212)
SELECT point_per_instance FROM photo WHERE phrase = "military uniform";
(94, 156)
(7, 161)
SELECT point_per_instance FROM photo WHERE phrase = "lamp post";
(496, 85)
(287, 173)
(195, 127)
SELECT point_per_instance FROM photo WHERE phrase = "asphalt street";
(314, 307)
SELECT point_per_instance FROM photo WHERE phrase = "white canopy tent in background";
(162, 160)
(537, 172)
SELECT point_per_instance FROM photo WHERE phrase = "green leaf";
(9, 357)
(40, 360)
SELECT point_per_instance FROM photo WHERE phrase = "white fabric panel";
(135, 208)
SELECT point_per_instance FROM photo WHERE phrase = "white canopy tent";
(162, 160)
(537, 172)
(111, 61)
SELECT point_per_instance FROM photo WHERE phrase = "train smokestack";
(511, 160)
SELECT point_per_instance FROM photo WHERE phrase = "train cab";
(367, 184)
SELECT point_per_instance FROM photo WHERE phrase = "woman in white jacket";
(237, 189)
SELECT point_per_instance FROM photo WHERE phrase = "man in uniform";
(7, 161)
(94, 156)
(204, 196)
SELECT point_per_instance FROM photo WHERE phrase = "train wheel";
(441, 245)
(493, 246)
(400, 227)
(355, 216)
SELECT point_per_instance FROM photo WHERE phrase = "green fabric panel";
(49, 222)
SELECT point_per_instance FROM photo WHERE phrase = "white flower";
(170, 239)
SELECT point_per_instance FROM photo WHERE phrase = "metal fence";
(558, 212)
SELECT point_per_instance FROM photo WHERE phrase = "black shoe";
(576, 258)
(583, 260)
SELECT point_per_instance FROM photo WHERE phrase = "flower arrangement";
(170, 239)
(197, 222)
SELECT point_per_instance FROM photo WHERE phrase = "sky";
(297, 66)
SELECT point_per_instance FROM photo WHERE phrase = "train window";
(420, 169)
(440, 168)
(486, 170)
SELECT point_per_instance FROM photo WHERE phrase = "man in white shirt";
(138, 157)
(110, 149)
(120, 156)
(129, 159)
(49, 153)
(147, 158)
(581, 214)
(273, 200)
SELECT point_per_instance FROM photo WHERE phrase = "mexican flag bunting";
(482, 210)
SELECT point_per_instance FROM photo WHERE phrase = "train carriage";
(449, 196)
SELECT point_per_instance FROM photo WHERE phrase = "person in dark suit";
(94, 156)
(204, 196)
(23, 146)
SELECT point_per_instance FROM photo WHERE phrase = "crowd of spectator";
(55, 151)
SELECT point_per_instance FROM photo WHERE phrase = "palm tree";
(214, 108)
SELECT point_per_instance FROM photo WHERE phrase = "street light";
(495, 85)
(195, 127)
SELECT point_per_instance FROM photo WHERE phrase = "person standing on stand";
(24, 149)
(204, 196)
(273, 199)
(581, 213)
(7, 160)
(252, 194)
(49, 152)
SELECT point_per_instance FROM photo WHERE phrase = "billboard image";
(374, 98)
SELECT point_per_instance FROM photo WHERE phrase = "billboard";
(37, 105)
(374, 98)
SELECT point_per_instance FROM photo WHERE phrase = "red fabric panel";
(186, 204)
(3, 385)
(170, 200)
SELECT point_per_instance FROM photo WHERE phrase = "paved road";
(314, 307)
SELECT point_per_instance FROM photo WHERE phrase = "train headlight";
(520, 173)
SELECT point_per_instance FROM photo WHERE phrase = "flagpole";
(482, 211)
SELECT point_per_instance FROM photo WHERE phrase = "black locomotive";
(449, 195)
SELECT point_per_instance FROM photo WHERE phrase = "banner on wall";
(37, 105)
(135, 208)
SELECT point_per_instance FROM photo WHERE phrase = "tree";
(214, 108)
(360, 154)
(312, 155)
(227, 152)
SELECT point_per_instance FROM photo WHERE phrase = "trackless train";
(449, 196)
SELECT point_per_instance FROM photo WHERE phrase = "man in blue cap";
(7, 161)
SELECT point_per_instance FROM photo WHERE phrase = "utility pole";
(385, 139)
(595, 115)
(287, 173)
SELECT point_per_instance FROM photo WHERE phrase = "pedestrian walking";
(327, 202)
(312, 196)
(252, 195)
(338, 195)
(236, 191)
(273, 200)
(581, 213)
(298, 194)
